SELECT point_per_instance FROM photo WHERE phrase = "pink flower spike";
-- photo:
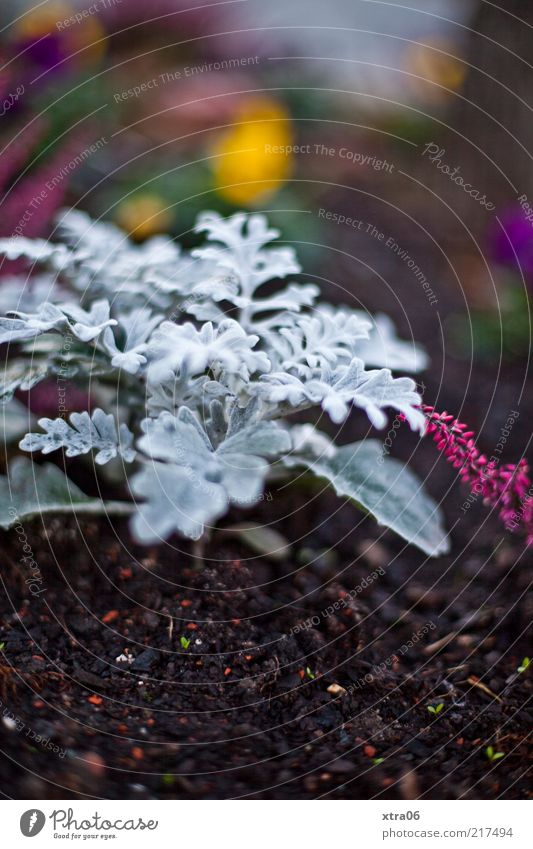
(508, 487)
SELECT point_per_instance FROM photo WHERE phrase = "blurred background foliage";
(146, 113)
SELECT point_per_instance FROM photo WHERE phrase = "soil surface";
(145, 674)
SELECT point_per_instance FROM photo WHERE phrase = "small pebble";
(93, 763)
(336, 690)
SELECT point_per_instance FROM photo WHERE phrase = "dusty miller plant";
(195, 368)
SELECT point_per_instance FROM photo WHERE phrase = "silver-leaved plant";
(200, 359)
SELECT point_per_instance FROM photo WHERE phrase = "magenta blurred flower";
(22, 215)
(32, 189)
(46, 400)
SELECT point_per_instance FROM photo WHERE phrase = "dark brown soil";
(247, 709)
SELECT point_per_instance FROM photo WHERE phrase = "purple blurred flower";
(46, 52)
(48, 39)
(512, 243)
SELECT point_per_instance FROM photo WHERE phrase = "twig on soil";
(475, 682)
(439, 644)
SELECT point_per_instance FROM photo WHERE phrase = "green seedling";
(434, 710)
(309, 674)
(522, 668)
(184, 643)
(492, 755)
(377, 761)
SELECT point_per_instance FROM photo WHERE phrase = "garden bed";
(290, 680)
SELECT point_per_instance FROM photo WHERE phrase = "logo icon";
(32, 822)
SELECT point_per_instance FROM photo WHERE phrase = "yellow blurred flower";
(42, 20)
(144, 215)
(436, 63)
(58, 19)
(251, 159)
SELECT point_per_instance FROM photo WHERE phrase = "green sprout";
(522, 668)
(2, 646)
(167, 779)
(377, 761)
(309, 674)
(184, 643)
(492, 755)
(434, 710)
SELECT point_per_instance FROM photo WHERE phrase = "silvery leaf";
(84, 433)
(267, 439)
(34, 250)
(29, 490)
(243, 252)
(173, 501)
(88, 324)
(383, 349)
(20, 375)
(309, 442)
(15, 418)
(136, 327)
(388, 490)
(323, 339)
(336, 391)
(225, 347)
(28, 325)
